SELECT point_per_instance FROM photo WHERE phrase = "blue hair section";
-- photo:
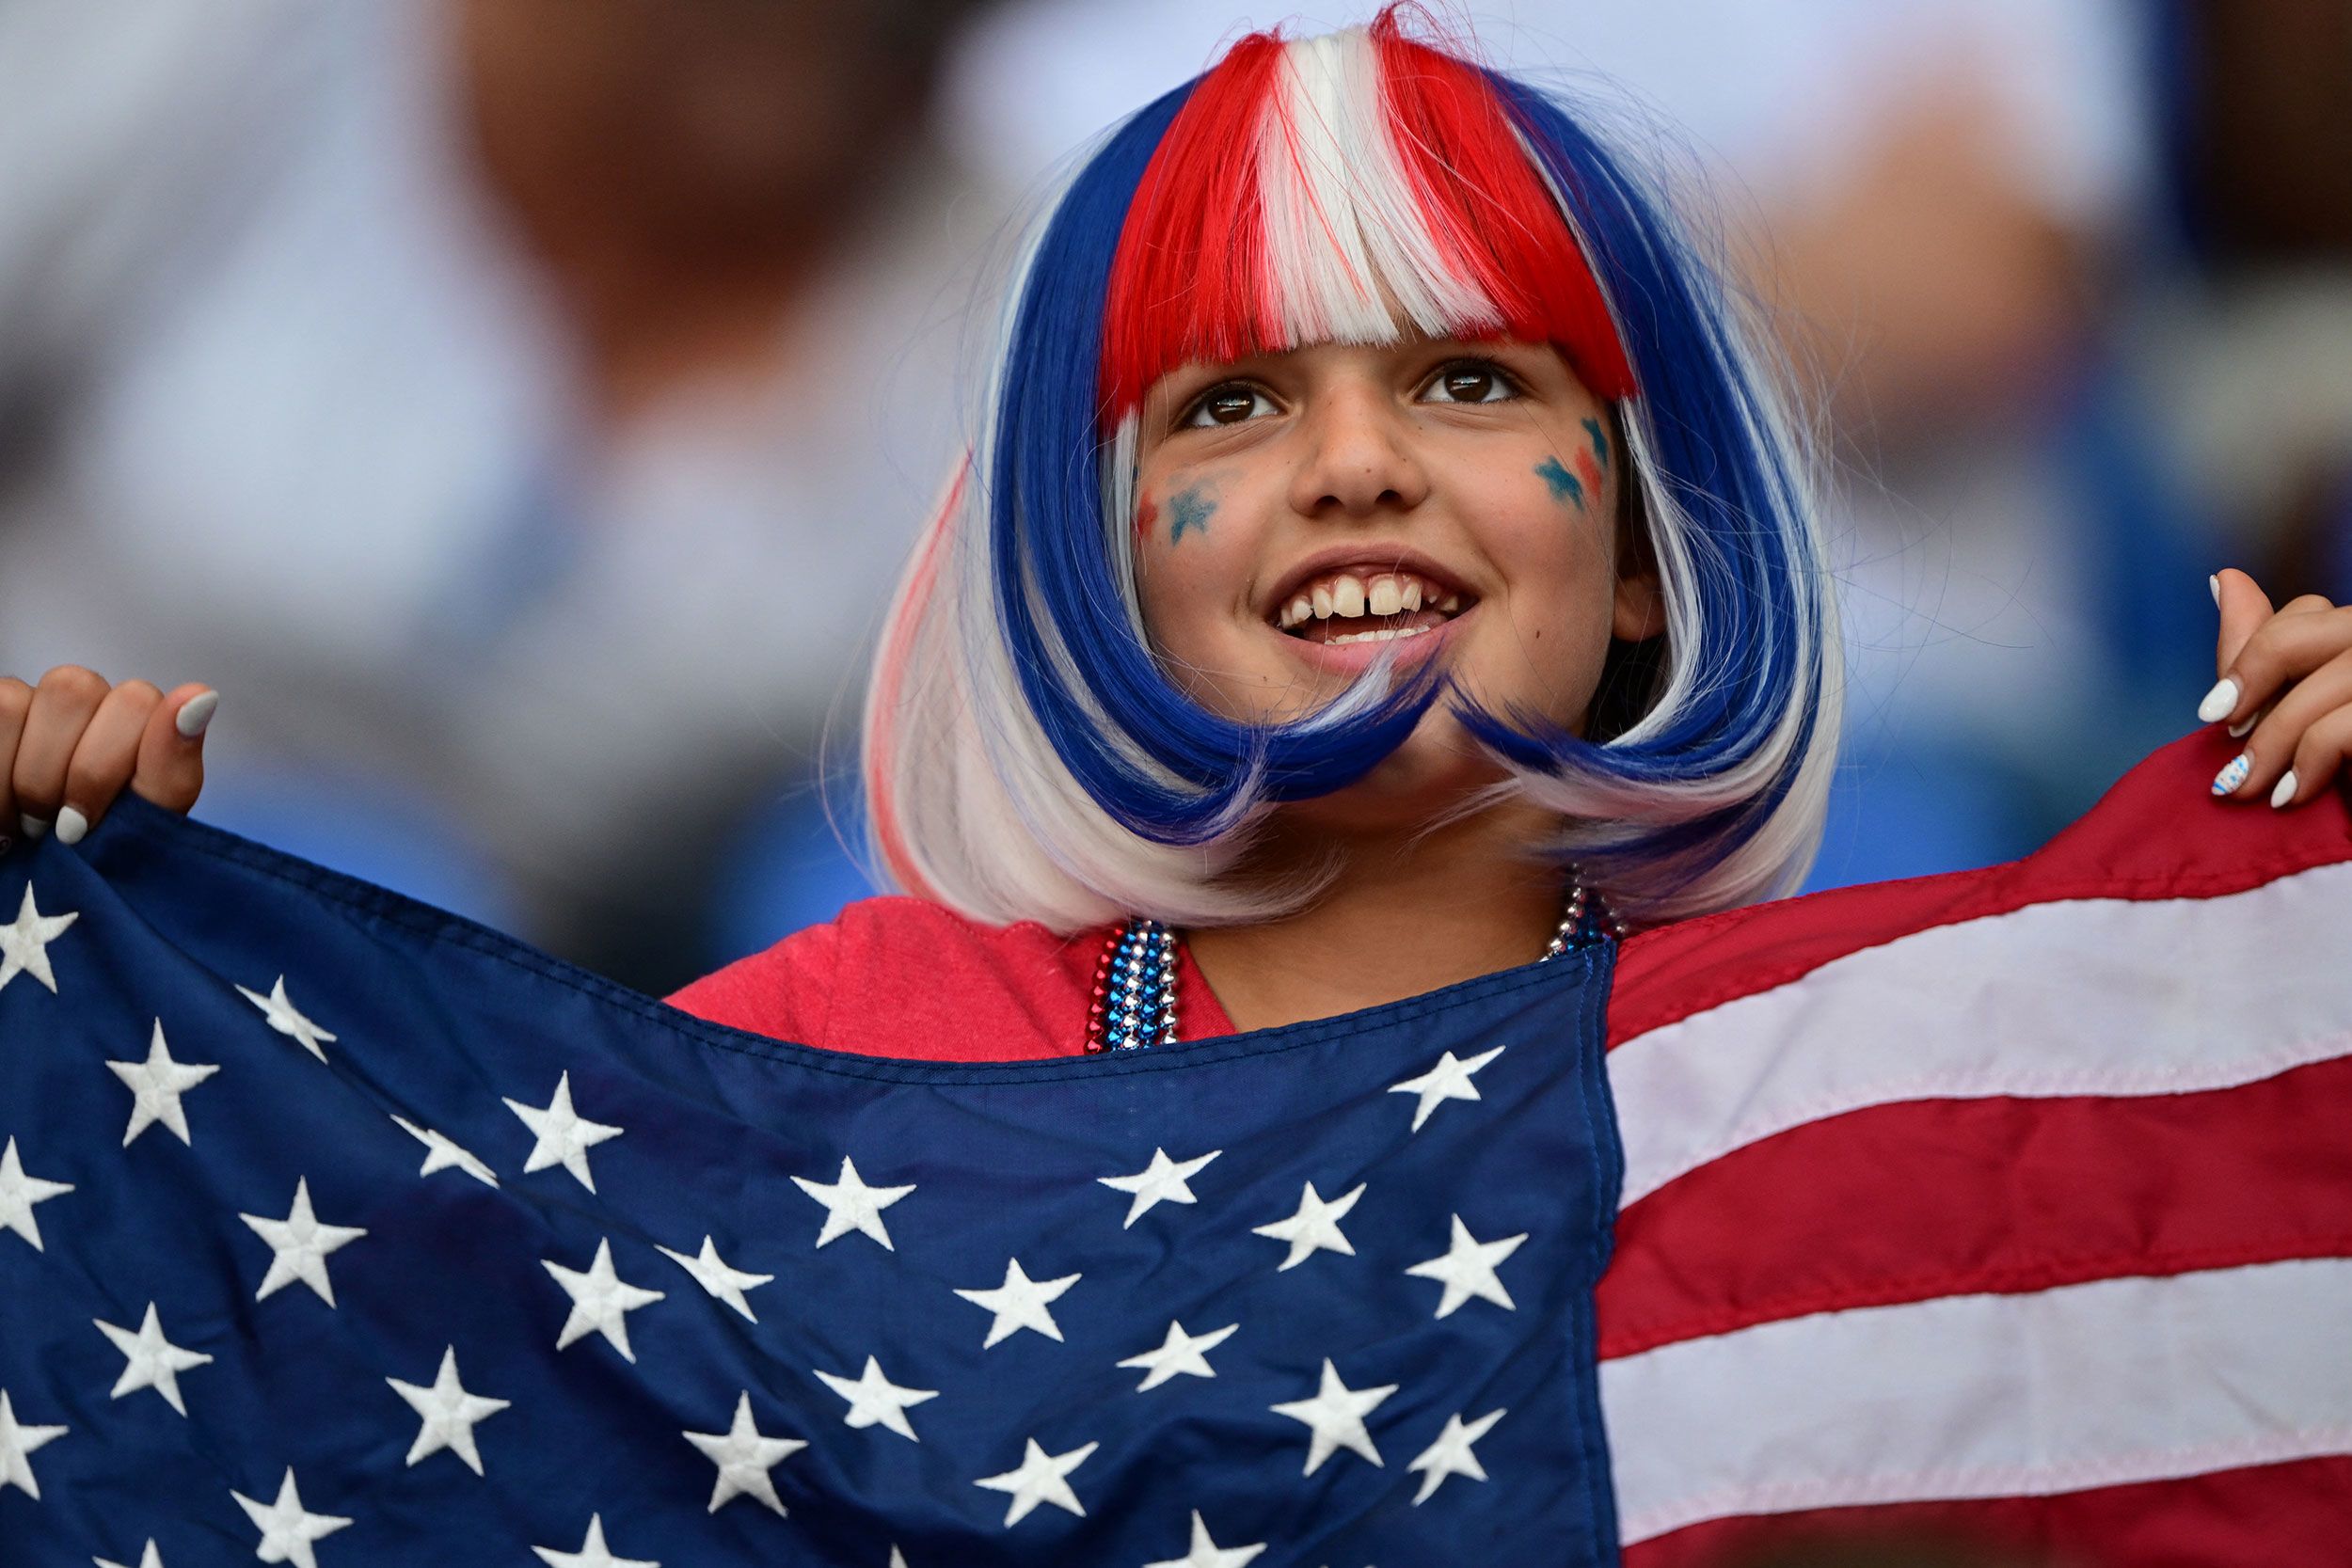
(1756, 574)
(1050, 549)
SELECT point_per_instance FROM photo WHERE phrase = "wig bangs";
(1358, 188)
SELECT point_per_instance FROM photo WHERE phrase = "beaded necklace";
(1133, 1003)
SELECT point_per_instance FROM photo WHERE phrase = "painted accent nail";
(198, 713)
(72, 825)
(2285, 790)
(2245, 726)
(2226, 781)
(31, 827)
(2213, 582)
(2220, 701)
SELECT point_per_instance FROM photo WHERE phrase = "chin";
(1437, 769)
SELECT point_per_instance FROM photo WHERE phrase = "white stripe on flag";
(2054, 998)
(1989, 1396)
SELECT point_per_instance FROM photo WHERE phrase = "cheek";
(1192, 566)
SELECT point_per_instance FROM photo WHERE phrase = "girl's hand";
(2287, 676)
(69, 745)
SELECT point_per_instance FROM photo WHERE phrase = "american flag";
(2012, 1205)
(337, 1231)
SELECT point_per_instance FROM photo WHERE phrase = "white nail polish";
(198, 714)
(31, 827)
(72, 825)
(2226, 781)
(2220, 701)
(2213, 582)
(2244, 726)
(2285, 790)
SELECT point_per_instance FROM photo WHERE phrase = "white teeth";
(1322, 602)
(1452, 602)
(1412, 594)
(1386, 634)
(1348, 596)
(1385, 598)
(1300, 609)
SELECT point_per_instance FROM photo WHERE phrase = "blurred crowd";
(520, 409)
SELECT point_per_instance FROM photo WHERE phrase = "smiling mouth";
(1357, 607)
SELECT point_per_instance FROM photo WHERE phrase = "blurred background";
(520, 409)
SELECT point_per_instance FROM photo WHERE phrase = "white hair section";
(1347, 243)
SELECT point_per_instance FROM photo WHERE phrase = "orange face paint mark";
(1589, 471)
(1146, 514)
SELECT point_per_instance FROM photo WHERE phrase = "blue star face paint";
(1600, 442)
(1191, 508)
(1562, 484)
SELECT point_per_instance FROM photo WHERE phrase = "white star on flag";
(1020, 1303)
(593, 1552)
(1206, 1552)
(156, 1085)
(24, 942)
(1042, 1478)
(564, 1136)
(743, 1457)
(149, 1360)
(712, 1274)
(440, 1154)
(1448, 1079)
(875, 1400)
(1179, 1353)
(1314, 1228)
(1450, 1455)
(1336, 1416)
(448, 1413)
(299, 1244)
(16, 1442)
(287, 1530)
(600, 1301)
(287, 1019)
(150, 1558)
(1164, 1180)
(20, 1191)
(851, 1205)
(1467, 1269)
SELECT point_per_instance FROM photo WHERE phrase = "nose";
(1360, 456)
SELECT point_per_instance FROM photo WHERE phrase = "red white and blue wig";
(1027, 757)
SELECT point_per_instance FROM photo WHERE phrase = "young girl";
(1384, 555)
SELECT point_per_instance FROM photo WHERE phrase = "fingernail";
(2213, 582)
(198, 714)
(2231, 777)
(2238, 729)
(2220, 701)
(2285, 790)
(72, 825)
(31, 827)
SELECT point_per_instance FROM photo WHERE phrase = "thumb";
(170, 770)
(2244, 609)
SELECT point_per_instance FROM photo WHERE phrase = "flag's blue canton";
(337, 1231)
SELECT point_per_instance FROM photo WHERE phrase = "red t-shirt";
(908, 978)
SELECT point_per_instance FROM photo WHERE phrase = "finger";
(2243, 606)
(2318, 756)
(2255, 772)
(16, 699)
(2284, 648)
(104, 757)
(170, 769)
(61, 709)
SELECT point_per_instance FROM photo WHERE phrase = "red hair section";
(1189, 280)
(1493, 216)
(1192, 279)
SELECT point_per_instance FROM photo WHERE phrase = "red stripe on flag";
(2132, 845)
(1928, 1199)
(2296, 1515)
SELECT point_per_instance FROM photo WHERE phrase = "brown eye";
(1231, 403)
(1472, 381)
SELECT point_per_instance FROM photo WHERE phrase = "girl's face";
(1298, 514)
